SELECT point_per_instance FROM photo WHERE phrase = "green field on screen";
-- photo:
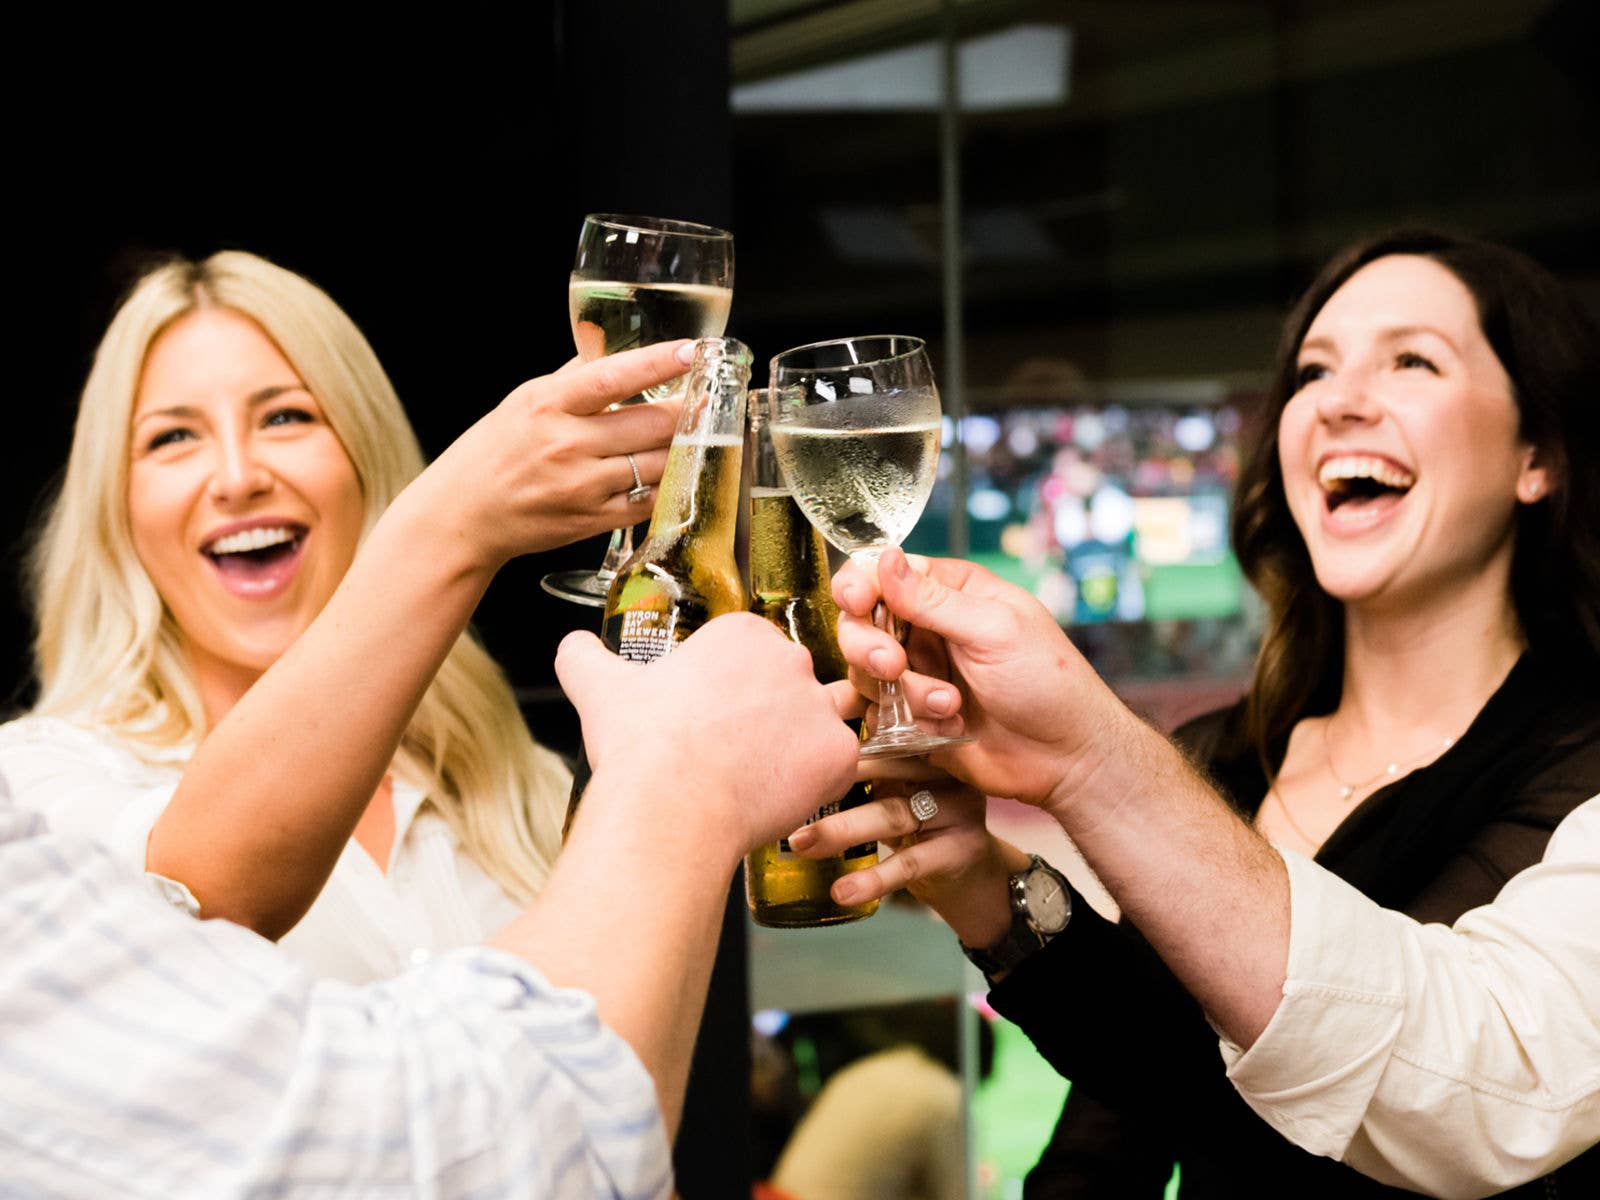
(1186, 591)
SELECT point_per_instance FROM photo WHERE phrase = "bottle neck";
(699, 494)
(788, 557)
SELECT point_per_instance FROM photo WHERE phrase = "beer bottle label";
(643, 635)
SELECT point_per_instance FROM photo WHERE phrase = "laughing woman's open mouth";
(257, 562)
(1361, 488)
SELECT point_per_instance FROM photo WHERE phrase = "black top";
(1149, 1087)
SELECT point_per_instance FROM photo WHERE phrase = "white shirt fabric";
(365, 925)
(1455, 1061)
(148, 1054)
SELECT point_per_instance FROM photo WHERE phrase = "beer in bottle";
(684, 572)
(789, 586)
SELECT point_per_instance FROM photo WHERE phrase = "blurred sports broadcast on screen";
(1115, 514)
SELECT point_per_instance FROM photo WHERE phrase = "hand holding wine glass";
(855, 424)
(637, 281)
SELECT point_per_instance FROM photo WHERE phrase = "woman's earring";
(1530, 491)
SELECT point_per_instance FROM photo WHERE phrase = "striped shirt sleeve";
(149, 1054)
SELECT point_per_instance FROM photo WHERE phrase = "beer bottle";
(684, 572)
(789, 586)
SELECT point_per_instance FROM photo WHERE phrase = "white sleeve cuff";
(174, 893)
(1312, 1072)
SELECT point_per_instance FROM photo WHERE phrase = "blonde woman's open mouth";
(257, 560)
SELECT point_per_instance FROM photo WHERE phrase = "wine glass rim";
(658, 225)
(914, 346)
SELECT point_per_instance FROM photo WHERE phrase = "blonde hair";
(108, 652)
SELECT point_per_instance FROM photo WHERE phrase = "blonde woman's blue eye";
(288, 416)
(167, 437)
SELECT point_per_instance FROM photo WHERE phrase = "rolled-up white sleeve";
(1458, 1061)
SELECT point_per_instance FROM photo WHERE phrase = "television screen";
(1105, 513)
(1116, 517)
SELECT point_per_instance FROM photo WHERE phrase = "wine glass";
(855, 425)
(637, 281)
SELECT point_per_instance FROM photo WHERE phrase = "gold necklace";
(1346, 789)
(1390, 770)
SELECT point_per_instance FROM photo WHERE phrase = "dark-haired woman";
(1422, 521)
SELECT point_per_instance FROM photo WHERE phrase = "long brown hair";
(1549, 346)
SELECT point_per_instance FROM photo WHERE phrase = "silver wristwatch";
(1041, 906)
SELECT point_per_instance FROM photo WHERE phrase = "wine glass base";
(580, 587)
(908, 743)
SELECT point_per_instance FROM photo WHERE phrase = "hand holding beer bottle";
(790, 586)
(684, 573)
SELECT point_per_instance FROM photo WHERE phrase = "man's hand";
(1040, 716)
(1205, 890)
(730, 733)
(725, 744)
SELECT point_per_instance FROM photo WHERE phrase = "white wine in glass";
(637, 281)
(609, 316)
(865, 466)
(855, 426)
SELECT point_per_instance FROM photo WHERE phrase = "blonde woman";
(236, 445)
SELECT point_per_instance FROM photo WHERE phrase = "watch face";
(1049, 905)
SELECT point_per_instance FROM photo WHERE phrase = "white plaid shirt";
(145, 1053)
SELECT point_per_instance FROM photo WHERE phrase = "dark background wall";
(432, 178)
(433, 187)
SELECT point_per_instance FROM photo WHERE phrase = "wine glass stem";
(618, 551)
(894, 710)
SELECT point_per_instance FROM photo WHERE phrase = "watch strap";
(1023, 937)
(1020, 941)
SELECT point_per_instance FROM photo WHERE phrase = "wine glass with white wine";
(855, 426)
(637, 281)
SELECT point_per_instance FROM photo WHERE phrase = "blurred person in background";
(888, 1124)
